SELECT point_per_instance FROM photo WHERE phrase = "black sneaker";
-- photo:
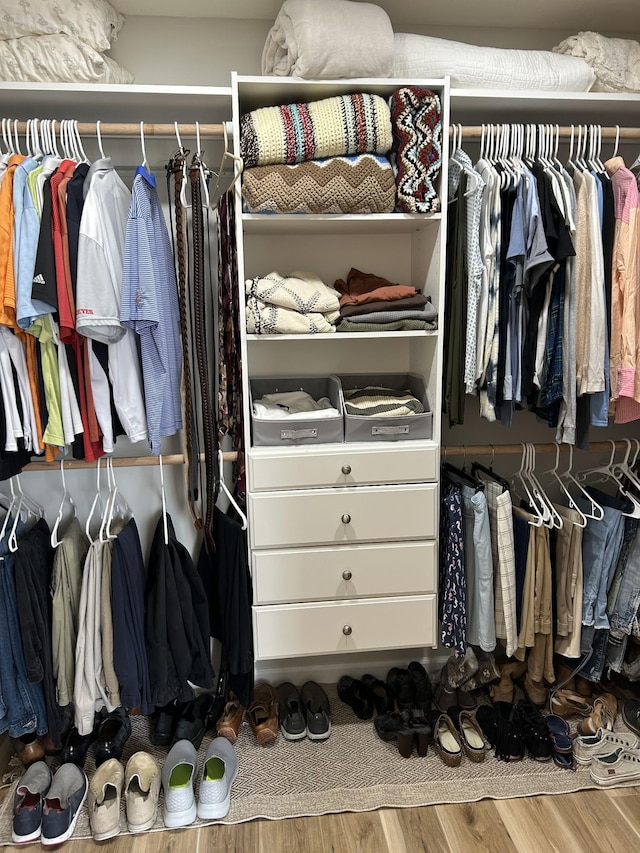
(317, 711)
(293, 723)
(62, 804)
(28, 802)
(534, 731)
(631, 715)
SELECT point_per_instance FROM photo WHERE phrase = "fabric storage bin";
(279, 432)
(381, 427)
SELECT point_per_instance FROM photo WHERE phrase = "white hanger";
(34, 511)
(12, 505)
(610, 472)
(534, 511)
(98, 497)
(596, 512)
(122, 511)
(224, 488)
(145, 163)
(185, 177)
(615, 147)
(99, 139)
(204, 171)
(572, 504)
(78, 138)
(66, 495)
(54, 141)
(542, 501)
(164, 502)
(15, 133)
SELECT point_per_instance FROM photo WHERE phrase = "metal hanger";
(489, 472)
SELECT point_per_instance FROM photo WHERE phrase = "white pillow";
(95, 22)
(57, 59)
(472, 66)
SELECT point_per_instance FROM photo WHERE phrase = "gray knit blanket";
(331, 127)
(376, 400)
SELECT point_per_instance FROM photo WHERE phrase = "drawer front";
(352, 571)
(318, 629)
(324, 516)
(344, 466)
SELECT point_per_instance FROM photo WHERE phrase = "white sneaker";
(218, 774)
(619, 767)
(177, 780)
(602, 743)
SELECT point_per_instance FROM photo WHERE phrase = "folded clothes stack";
(378, 401)
(370, 303)
(293, 405)
(299, 304)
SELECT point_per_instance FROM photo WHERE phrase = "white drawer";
(351, 626)
(352, 571)
(343, 465)
(324, 516)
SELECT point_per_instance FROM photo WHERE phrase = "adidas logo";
(39, 279)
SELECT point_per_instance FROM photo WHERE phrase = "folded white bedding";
(615, 62)
(293, 404)
(95, 22)
(57, 59)
(329, 39)
(472, 66)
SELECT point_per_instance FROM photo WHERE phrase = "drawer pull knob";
(346, 630)
(346, 469)
(346, 575)
(346, 518)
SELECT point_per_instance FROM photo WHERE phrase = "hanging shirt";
(150, 307)
(7, 284)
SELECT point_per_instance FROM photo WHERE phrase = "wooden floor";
(586, 822)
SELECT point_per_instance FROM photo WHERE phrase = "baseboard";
(328, 670)
(6, 750)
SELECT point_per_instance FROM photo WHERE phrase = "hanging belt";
(180, 247)
(200, 343)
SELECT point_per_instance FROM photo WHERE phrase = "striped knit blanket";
(417, 148)
(374, 400)
(266, 319)
(332, 127)
(364, 183)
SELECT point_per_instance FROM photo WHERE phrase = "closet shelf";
(329, 223)
(347, 336)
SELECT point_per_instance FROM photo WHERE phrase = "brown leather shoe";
(262, 713)
(603, 715)
(29, 749)
(229, 723)
(565, 704)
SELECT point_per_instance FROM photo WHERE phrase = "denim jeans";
(478, 564)
(594, 640)
(624, 596)
(22, 708)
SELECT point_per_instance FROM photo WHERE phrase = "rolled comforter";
(332, 127)
(361, 184)
(615, 62)
(329, 40)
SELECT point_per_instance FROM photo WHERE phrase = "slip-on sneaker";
(602, 743)
(62, 804)
(623, 766)
(262, 713)
(142, 780)
(229, 723)
(113, 733)
(293, 723)
(27, 803)
(318, 713)
(218, 775)
(178, 776)
(105, 790)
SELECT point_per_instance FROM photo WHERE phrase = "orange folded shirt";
(363, 287)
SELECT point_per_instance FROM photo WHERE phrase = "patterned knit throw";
(417, 146)
(332, 127)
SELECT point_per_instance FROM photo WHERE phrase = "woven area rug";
(352, 771)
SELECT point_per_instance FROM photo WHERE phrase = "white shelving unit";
(343, 537)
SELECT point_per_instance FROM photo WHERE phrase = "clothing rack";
(514, 449)
(123, 462)
(215, 131)
(474, 131)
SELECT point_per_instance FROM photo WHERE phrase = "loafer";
(262, 713)
(356, 694)
(230, 721)
(622, 766)
(142, 780)
(471, 736)
(165, 724)
(29, 749)
(28, 802)
(446, 741)
(293, 722)
(603, 743)
(422, 691)
(178, 775)
(105, 790)
(401, 687)
(196, 718)
(317, 711)
(219, 771)
(113, 733)
(62, 804)
(76, 746)
(383, 701)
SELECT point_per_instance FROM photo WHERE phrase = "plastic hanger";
(615, 147)
(165, 526)
(185, 177)
(550, 514)
(145, 162)
(572, 504)
(66, 496)
(489, 472)
(534, 510)
(237, 162)
(224, 488)
(97, 497)
(17, 139)
(596, 512)
(610, 472)
(198, 163)
(463, 474)
(122, 510)
(12, 506)
(99, 141)
(80, 146)
(34, 512)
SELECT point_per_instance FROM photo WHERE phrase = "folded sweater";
(409, 303)
(396, 326)
(296, 405)
(300, 291)
(266, 319)
(379, 401)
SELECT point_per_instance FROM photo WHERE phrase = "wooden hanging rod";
(474, 131)
(215, 131)
(122, 462)
(516, 449)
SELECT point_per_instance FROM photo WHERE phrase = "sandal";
(566, 703)
(602, 716)
(559, 733)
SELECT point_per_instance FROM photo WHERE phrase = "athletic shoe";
(62, 804)
(177, 780)
(218, 774)
(602, 743)
(28, 803)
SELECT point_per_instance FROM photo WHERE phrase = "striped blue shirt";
(149, 306)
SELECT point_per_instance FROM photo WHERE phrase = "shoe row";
(612, 757)
(517, 728)
(407, 689)
(47, 807)
(450, 735)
